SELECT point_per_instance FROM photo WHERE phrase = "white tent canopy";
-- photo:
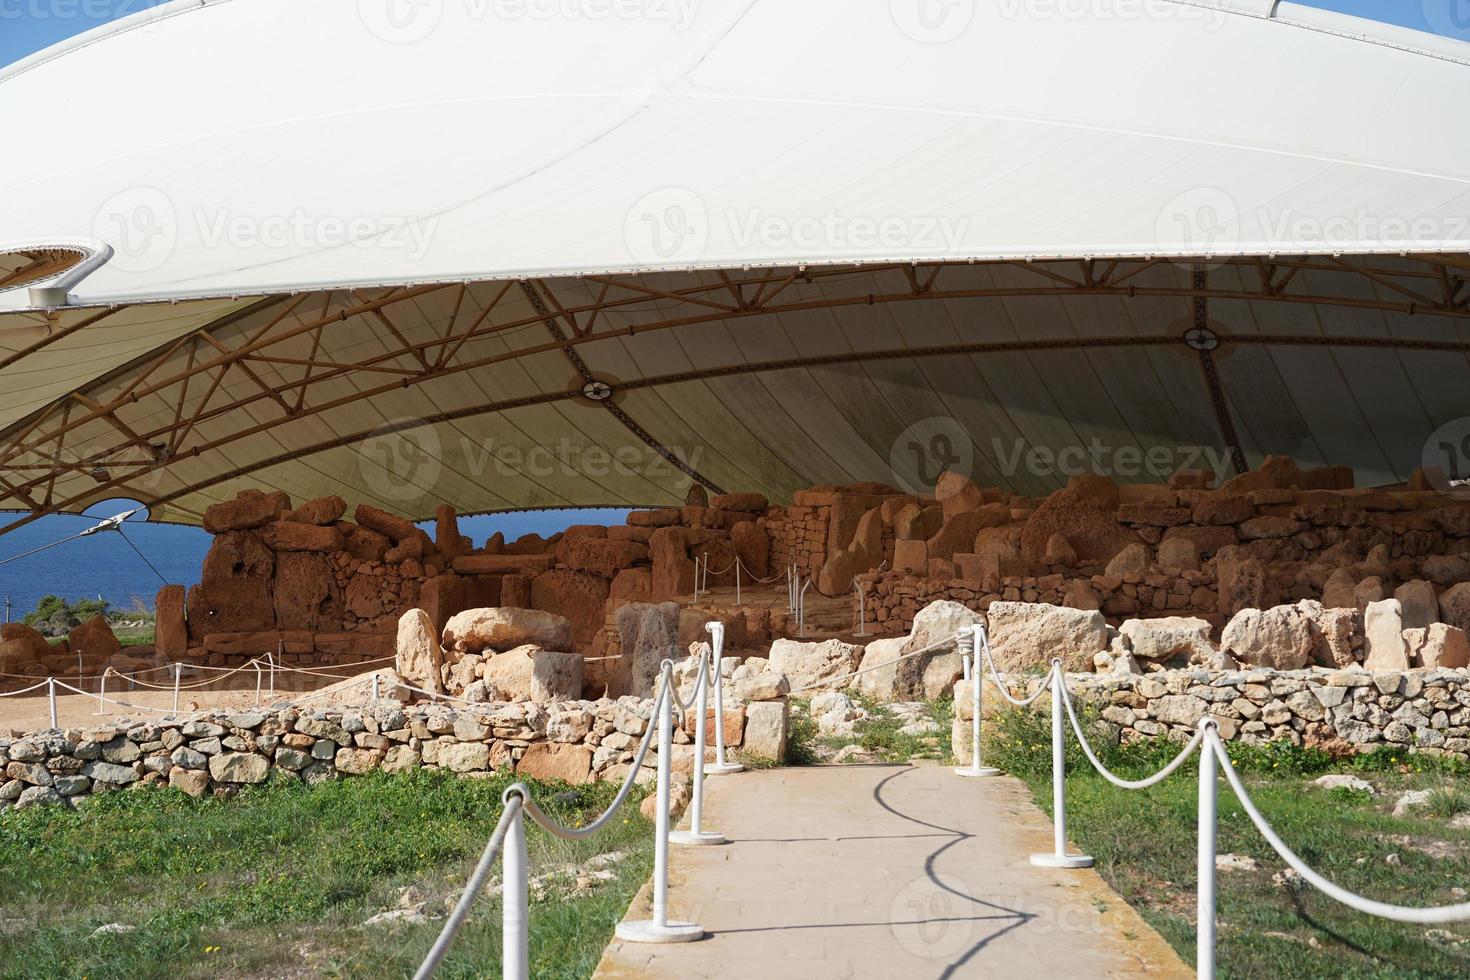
(399, 251)
(232, 147)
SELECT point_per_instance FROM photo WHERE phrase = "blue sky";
(27, 26)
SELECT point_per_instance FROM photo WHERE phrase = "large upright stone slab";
(1383, 627)
(813, 667)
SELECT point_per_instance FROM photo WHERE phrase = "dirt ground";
(31, 712)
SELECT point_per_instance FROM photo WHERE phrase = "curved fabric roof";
(511, 260)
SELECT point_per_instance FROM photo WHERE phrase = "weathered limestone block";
(323, 511)
(1179, 554)
(249, 510)
(287, 536)
(1085, 513)
(929, 676)
(391, 526)
(307, 596)
(648, 635)
(1340, 592)
(578, 597)
(235, 594)
(238, 767)
(1420, 605)
(747, 503)
(1242, 584)
(364, 543)
(673, 568)
(753, 547)
(1454, 606)
(824, 664)
(556, 762)
(1383, 628)
(1172, 638)
(1026, 635)
(599, 556)
(505, 628)
(529, 673)
(1132, 560)
(93, 640)
(1280, 637)
(767, 724)
(170, 631)
(419, 656)
(879, 660)
(1438, 645)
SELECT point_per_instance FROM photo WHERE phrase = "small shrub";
(1447, 802)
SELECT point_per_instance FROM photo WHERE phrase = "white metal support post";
(696, 834)
(721, 765)
(515, 912)
(659, 929)
(976, 674)
(1059, 858)
(1204, 953)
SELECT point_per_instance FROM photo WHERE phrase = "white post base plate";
(1061, 860)
(648, 931)
(704, 837)
(721, 768)
(972, 771)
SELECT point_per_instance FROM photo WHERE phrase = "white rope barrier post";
(1059, 858)
(102, 691)
(256, 663)
(1204, 955)
(696, 834)
(375, 687)
(51, 699)
(737, 580)
(659, 929)
(721, 766)
(862, 611)
(178, 676)
(801, 608)
(515, 904)
(976, 677)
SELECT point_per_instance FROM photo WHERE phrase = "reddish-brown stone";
(673, 569)
(749, 503)
(600, 556)
(307, 595)
(515, 591)
(244, 512)
(171, 632)
(753, 548)
(390, 525)
(282, 536)
(322, 511)
(577, 596)
(365, 544)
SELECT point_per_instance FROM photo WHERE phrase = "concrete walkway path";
(886, 872)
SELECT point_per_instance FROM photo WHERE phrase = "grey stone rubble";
(1416, 710)
(219, 752)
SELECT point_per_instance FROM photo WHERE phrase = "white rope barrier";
(1108, 774)
(1214, 761)
(721, 766)
(25, 690)
(696, 835)
(509, 838)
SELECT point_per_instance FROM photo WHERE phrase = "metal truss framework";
(35, 461)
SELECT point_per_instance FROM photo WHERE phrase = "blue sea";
(103, 565)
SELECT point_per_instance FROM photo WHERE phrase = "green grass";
(276, 881)
(1144, 842)
(880, 733)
